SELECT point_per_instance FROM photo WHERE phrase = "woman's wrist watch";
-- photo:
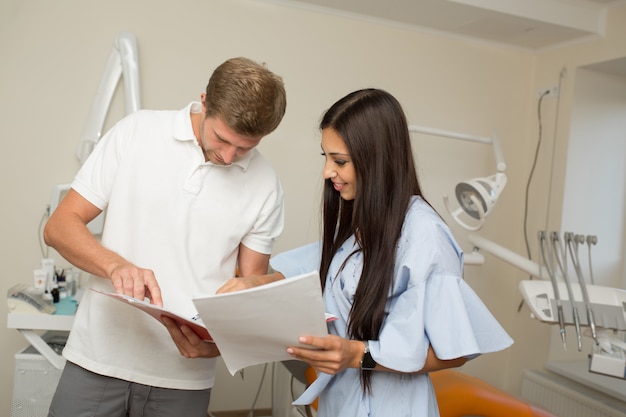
(367, 362)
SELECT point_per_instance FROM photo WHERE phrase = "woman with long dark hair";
(391, 273)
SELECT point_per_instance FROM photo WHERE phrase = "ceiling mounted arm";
(123, 62)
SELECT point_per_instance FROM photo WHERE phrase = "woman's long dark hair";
(373, 126)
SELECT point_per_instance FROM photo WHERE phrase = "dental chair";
(461, 395)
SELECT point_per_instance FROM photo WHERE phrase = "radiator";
(566, 398)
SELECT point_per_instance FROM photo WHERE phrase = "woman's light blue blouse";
(429, 304)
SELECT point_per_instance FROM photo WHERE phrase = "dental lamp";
(477, 196)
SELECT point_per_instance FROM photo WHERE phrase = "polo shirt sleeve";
(269, 223)
(95, 178)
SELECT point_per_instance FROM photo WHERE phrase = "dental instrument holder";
(608, 355)
(608, 304)
(604, 364)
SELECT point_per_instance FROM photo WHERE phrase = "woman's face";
(338, 167)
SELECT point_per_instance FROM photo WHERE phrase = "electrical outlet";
(548, 92)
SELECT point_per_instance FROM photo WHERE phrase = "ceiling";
(528, 24)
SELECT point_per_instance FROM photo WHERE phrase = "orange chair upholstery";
(310, 376)
(460, 395)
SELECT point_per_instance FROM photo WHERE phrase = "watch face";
(368, 362)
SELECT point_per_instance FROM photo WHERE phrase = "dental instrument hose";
(561, 255)
(555, 286)
(591, 240)
(574, 241)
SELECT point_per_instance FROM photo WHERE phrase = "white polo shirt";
(170, 211)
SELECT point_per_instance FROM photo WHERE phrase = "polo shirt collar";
(183, 131)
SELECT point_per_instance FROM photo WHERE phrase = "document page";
(157, 312)
(256, 325)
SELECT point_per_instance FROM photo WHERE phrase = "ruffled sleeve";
(461, 325)
(431, 304)
(297, 261)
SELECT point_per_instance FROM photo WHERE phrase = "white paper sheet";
(255, 326)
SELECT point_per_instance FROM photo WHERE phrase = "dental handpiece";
(549, 264)
(572, 244)
(591, 240)
(561, 259)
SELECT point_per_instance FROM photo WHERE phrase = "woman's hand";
(334, 354)
(331, 354)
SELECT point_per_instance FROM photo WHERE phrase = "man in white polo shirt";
(189, 200)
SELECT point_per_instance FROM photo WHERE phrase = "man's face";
(220, 144)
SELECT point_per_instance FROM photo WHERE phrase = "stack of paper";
(256, 325)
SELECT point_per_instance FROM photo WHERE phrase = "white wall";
(595, 189)
(53, 54)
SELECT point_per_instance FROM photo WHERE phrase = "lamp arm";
(95, 119)
(122, 63)
(126, 45)
(497, 152)
(501, 166)
(506, 255)
(453, 135)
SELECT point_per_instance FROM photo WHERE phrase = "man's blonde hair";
(246, 96)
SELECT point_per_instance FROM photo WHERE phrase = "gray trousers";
(82, 393)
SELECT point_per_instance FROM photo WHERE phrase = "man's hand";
(240, 283)
(243, 283)
(136, 282)
(66, 231)
(187, 341)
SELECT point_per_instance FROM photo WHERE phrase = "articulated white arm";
(122, 61)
